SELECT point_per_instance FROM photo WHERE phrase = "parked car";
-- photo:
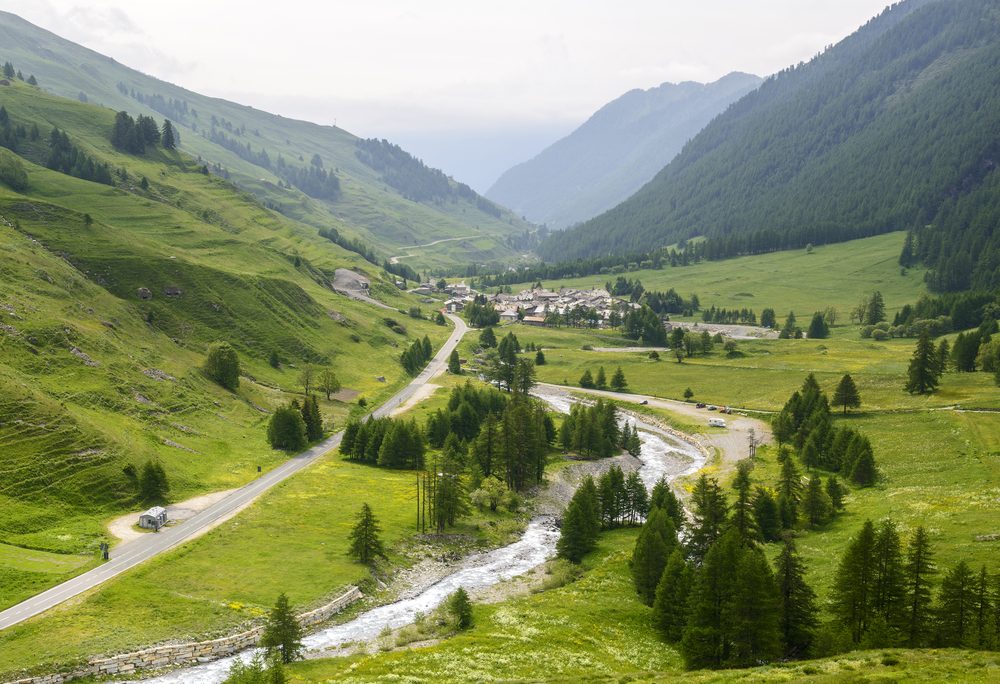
(713, 407)
(643, 402)
(716, 422)
(727, 410)
(700, 404)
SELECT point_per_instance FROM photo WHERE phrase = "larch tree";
(656, 541)
(282, 632)
(618, 382)
(366, 544)
(670, 607)
(923, 374)
(851, 598)
(955, 606)
(798, 602)
(919, 571)
(846, 394)
(454, 363)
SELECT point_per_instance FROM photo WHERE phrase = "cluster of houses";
(534, 306)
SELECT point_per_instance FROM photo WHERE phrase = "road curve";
(126, 556)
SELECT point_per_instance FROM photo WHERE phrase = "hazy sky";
(422, 70)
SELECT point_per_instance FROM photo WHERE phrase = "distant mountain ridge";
(285, 162)
(616, 151)
(893, 128)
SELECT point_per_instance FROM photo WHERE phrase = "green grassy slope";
(369, 207)
(93, 378)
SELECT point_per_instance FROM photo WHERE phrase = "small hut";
(154, 518)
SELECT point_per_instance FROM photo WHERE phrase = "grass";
(93, 378)
(837, 275)
(595, 629)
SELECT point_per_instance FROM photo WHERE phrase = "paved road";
(126, 556)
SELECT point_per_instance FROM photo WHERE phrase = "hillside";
(110, 293)
(380, 193)
(894, 127)
(615, 152)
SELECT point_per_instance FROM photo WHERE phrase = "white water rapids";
(663, 456)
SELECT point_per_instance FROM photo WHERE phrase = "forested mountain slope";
(378, 191)
(893, 128)
(111, 291)
(615, 152)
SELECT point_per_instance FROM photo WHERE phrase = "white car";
(716, 422)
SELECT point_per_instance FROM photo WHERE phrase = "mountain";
(617, 151)
(117, 271)
(893, 128)
(380, 193)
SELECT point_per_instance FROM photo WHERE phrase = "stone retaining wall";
(190, 653)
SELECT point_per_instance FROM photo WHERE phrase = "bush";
(287, 430)
(12, 172)
(866, 331)
(222, 365)
(880, 335)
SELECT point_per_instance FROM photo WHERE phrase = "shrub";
(222, 365)
(12, 172)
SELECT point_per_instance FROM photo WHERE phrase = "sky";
(470, 86)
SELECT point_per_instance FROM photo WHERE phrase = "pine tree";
(818, 329)
(943, 356)
(663, 497)
(8, 70)
(365, 542)
(539, 358)
(798, 602)
(864, 472)
(789, 492)
(580, 524)
(487, 338)
(657, 540)
(888, 579)
(816, 503)
(282, 632)
(923, 373)
(982, 604)
(852, 591)
(956, 606)
(153, 484)
(743, 519)
(454, 364)
(670, 604)
(312, 419)
(765, 511)
(286, 430)
(836, 493)
(167, 136)
(753, 616)
(618, 383)
(846, 394)
(919, 570)
(602, 380)
(638, 498)
(461, 608)
(706, 640)
(587, 380)
(708, 516)
(875, 311)
(428, 350)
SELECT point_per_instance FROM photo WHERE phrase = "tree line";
(134, 135)
(417, 355)
(600, 381)
(594, 431)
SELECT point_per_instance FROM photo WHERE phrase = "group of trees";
(645, 326)
(387, 442)
(614, 500)
(742, 316)
(67, 158)
(313, 180)
(972, 350)
(150, 482)
(134, 135)
(480, 313)
(805, 422)
(883, 595)
(594, 431)
(417, 355)
(292, 427)
(600, 381)
(9, 72)
(502, 365)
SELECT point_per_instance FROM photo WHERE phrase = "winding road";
(130, 554)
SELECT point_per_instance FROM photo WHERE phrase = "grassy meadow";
(837, 275)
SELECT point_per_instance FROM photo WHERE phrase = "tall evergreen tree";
(765, 511)
(919, 570)
(852, 591)
(816, 505)
(708, 517)
(312, 419)
(798, 602)
(461, 608)
(282, 632)
(818, 329)
(580, 524)
(956, 601)
(836, 493)
(846, 394)
(663, 497)
(743, 519)
(923, 373)
(365, 542)
(487, 338)
(863, 472)
(982, 628)
(454, 364)
(889, 580)
(670, 605)
(286, 430)
(754, 614)
(167, 137)
(656, 541)
(618, 382)
(601, 382)
(706, 641)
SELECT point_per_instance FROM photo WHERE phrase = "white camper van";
(716, 422)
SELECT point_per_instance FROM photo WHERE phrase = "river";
(663, 456)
